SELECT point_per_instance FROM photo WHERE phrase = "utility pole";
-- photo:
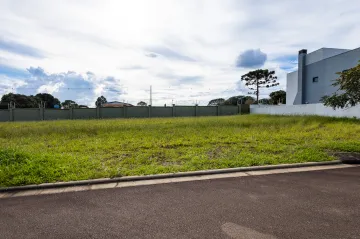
(151, 95)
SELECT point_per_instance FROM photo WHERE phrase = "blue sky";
(188, 50)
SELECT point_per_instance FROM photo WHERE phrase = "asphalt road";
(317, 204)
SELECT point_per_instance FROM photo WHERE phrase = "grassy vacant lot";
(38, 152)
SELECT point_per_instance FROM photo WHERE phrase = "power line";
(120, 91)
(61, 88)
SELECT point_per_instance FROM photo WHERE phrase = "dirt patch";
(348, 157)
(215, 153)
(171, 163)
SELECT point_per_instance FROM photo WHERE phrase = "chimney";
(301, 76)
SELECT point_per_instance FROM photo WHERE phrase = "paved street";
(317, 204)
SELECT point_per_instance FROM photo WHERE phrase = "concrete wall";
(128, 112)
(207, 111)
(306, 109)
(108, 113)
(4, 115)
(56, 114)
(161, 111)
(229, 110)
(84, 113)
(26, 114)
(184, 111)
(137, 112)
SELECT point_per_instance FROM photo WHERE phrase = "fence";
(308, 109)
(21, 114)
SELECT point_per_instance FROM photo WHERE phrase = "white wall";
(291, 87)
(309, 109)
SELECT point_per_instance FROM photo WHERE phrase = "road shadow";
(348, 157)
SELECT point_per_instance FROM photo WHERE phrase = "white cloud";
(50, 88)
(197, 40)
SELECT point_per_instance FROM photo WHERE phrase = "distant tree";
(240, 99)
(259, 79)
(234, 100)
(69, 103)
(21, 101)
(83, 106)
(249, 101)
(265, 101)
(216, 102)
(349, 87)
(4, 105)
(278, 97)
(100, 101)
(48, 99)
(141, 103)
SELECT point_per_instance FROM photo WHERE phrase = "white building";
(316, 73)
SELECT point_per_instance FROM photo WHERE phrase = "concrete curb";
(164, 176)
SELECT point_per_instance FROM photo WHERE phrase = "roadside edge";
(164, 176)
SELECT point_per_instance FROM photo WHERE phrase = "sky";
(189, 51)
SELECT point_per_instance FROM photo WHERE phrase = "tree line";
(29, 101)
(48, 101)
(276, 97)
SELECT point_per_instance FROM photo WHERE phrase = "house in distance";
(116, 104)
(317, 72)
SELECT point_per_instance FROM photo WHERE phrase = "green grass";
(50, 151)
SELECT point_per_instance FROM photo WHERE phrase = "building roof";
(116, 104)
(323, 53)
